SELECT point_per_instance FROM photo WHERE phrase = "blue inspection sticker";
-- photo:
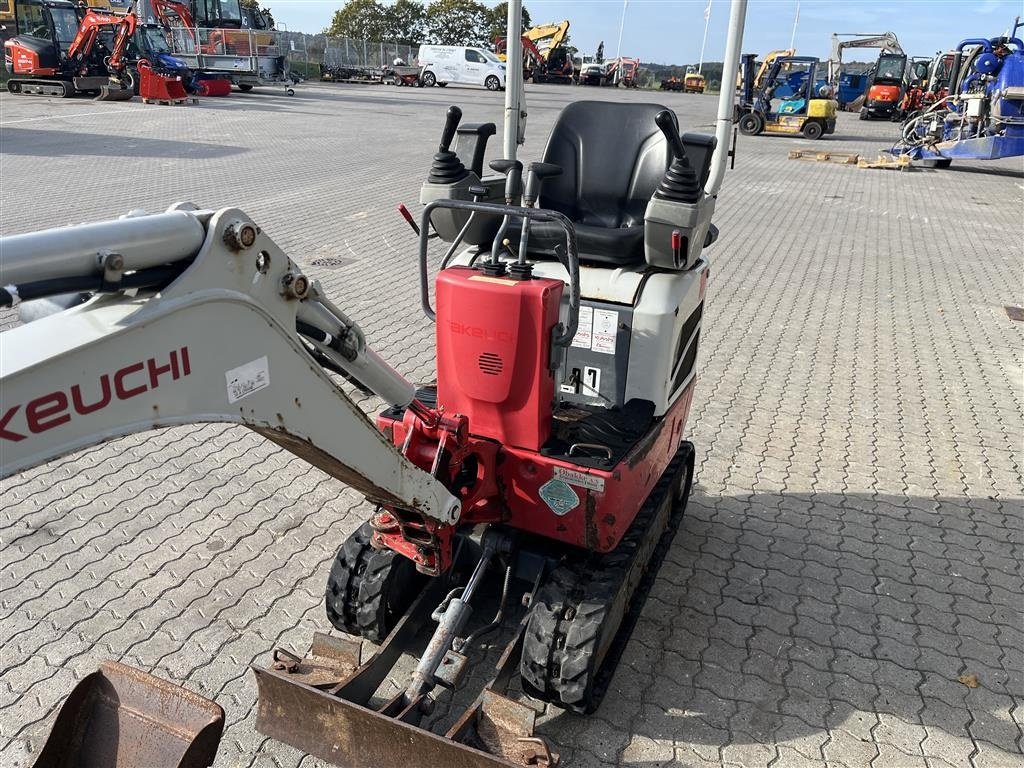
(559, 496)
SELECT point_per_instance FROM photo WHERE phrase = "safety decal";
(584, 330)
(606, 328)
(246, 379)
(559, 496)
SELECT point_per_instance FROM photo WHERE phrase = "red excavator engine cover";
(493, 354)
(884, 93)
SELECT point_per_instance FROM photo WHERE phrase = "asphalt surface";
(845, 589)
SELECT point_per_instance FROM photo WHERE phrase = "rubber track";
(571, 610)
(356, 584)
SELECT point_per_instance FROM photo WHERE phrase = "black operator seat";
(612, 157)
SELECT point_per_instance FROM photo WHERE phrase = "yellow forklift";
(805, 106)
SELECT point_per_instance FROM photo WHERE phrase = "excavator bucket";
(114, 92)
(122, 717)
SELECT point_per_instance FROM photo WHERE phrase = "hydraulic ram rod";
(143, 241)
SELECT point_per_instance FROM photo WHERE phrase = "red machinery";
(63, 53)
(157, 86)
(886, 89)
(552, 448)
(932, 87)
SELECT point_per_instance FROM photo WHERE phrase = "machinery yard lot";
(846, 584)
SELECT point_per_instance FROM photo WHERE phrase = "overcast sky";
(670, 31)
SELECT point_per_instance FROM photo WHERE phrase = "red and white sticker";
(606, 329)
(585, 329)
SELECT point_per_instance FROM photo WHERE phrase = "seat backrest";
(612, 157)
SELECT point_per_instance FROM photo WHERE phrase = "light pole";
(796, 20)
(704, 43)
(618, 48)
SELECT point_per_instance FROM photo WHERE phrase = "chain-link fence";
(346, 52)
(314, 56)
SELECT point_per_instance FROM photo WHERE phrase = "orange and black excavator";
(60, 50)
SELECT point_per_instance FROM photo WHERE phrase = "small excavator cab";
(45, 31)
(60, 49)
(887, 87)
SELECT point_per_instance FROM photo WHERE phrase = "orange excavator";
(59, 50)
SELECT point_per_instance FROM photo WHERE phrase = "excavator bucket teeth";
(122, 717)
(350, 735)
(114, 93)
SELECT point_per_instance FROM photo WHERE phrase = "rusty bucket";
(122, 717)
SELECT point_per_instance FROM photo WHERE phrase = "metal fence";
(346, 52)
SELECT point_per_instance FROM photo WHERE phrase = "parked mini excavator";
(886, 87)
(851, 88)
(555, 65)
(551, 451)
(59, 51)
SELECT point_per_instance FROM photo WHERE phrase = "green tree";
(457, 22)
(405, 22)
(359, 19)
(497, 20)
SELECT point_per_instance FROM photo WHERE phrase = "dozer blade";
(350, 735)
(122, 717)
(114, 93)
(321, 705)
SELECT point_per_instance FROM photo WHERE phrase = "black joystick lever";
(679, 184)
(512, 170)
(667, 125)
(446, 167)
(452, 119)
(535, 176)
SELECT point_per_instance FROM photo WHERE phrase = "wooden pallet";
(172, 102)
(890, 162)
(840, 158)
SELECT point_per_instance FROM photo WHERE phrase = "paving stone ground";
(854, 544)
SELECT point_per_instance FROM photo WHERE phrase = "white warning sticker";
(580, 479)
(606, 328)
(585, 329)
(246, 379)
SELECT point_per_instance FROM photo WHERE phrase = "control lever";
(535, 176)
(482, 131)
(667, 125)
(513, 170)
(446, 167)
(679, 184)
(451, 124)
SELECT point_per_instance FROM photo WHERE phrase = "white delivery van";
(443, 64)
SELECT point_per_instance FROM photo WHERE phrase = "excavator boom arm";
(211, 337)
(547, 37)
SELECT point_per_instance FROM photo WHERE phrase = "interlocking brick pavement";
(854, 544)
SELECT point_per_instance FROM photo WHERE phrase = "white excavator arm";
(886, 42)
(195, 317)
